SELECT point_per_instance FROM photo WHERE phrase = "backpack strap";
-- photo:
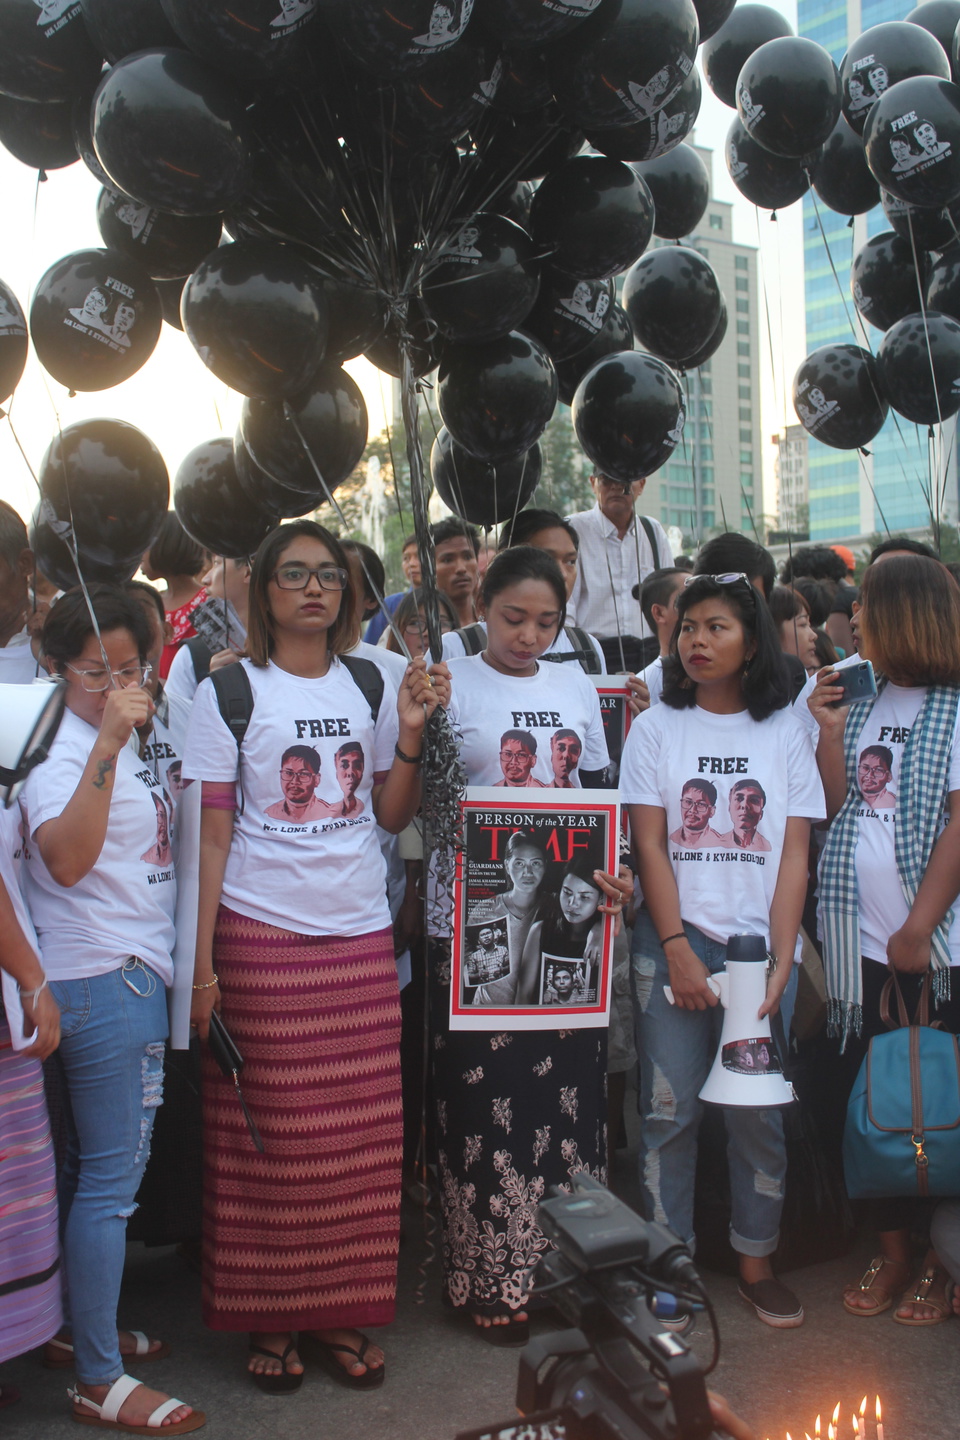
(200, 655)
(234, 697)
(368, 677)
(584, 650)
(474, 638)
(651, 535)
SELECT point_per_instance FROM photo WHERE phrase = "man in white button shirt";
(17, 663)
(618, 550)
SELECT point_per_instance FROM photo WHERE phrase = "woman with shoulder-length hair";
(890, 873)
(295, 949)
(722, 786)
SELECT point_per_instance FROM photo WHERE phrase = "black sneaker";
(774, 1303)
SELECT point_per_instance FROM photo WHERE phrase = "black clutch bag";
(224, 1050)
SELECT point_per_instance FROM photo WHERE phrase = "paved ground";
(441, 1379)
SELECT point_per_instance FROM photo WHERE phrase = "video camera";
(618, 1373)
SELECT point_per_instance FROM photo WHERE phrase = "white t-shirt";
(652, 676)
(741, 779)
(393, 665)
(17, 663)
(454, 648)
(305, 854)
(125, 905)
(882, 906)
(163, 752)
(11, 855)
(181, 677)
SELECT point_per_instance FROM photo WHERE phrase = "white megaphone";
(747, 1069)
(30, 717)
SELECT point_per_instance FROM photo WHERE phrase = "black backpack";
(474, 639)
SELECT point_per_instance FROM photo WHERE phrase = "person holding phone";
(890, 872)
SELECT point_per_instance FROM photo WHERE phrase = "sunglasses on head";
(730, 578)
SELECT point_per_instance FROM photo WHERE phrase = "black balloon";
(709, 348)
(569, 314)
(168, 247)
(496, 399)
(83, 137)
(46, 55)
(880, 58)
(40, 136)
(357, 317)
(524, 84)
(657, 134)
(842, 177)
(788, 96)
(171, 293)
(13, 342)
(919, 364)
(943, 287)
(257, 316)
(170, 131)
(616, 334)
(526, 23)
(524, 147)
(680, 186)
(109, 481)
(625, 62)
(941, 18)
(592, 216)
(212, 506)
(478, 491)
(332, 418)
(514, 203)
(268, 494)
(912, 140)
(401, 37)
(483, 282)
(448, 96)
(673, 300)
(930, 229)
(837, 396)
(712, 14)
(250, 38)
(119, 28)
(724, 55)
(56, 563)
(766, 180)
(95, 319)
(883, 279)
(423, 344)
(629, 413)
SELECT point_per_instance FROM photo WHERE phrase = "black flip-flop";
(327, 1355)
(283, 1384)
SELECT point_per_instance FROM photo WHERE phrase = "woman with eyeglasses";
(295, 950)
(722, 786)
(101, 889)
(410, 621)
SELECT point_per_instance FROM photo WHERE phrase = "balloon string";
(934, 450)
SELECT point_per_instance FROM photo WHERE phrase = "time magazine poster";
(613, 694)
(530, 949)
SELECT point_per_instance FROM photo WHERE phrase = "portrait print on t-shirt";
(698, 805)
(161, 853)
(746, 803)
(566, 747)
(874, 777)
(299, 778)
(349, 762)
(518, 756)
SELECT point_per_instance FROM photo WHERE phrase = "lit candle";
(856, 1427)
(816, 1429)
(879, 1420)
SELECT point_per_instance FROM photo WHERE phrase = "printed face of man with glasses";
(698, 805)
(299, 778)
(518, 755)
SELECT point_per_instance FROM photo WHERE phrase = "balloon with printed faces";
(628, 414)
(680, 187)
(483, 282)
(46, 53)
(54, 560)
(788, 96)
(657, 134)
(119, 28)
(256, 315)
(251, 38)
(211, 505)
(709, 348)
(477, 490)
(912, 140)
(711, 15)
(526, 24)
(443, 100)
(726, 52)
(110, 481)
(919, 364)
(880, 58)
(524, 84)
(569, 314)
(941, 18)
(40, 136)
(13, 342)
(168, 247)
(837, 396)
(883, 279)
(943, 287)
(403, 36)
(614, 335)
(930, 229)
(324, 428)
(842, 177)
(169, 130)
(496, 399)
(95, 319)
(592, 216)
(766, 180)
(673, 300)
(625, 62)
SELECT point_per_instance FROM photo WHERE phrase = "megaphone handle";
(713, 983)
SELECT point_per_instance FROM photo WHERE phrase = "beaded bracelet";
(210, 983)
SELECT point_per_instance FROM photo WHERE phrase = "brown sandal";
(921, 1294)
(874, 1285)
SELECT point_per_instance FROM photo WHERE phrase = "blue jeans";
(676, 1049)
(111, 1062)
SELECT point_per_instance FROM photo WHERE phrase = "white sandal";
(106, 1413)
(58, 1354)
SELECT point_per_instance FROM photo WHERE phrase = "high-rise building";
(853, 493)
(793, 502)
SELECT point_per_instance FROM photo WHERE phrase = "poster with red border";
(530, 950)
(614, 694)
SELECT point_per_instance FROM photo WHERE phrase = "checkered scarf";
(921, 802)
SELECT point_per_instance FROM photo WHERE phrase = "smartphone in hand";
(858, 682)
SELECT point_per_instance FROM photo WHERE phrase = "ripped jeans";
(676, 1049)
(111, 1063)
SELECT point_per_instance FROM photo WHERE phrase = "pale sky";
(179, 404)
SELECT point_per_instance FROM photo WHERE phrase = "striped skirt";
(30, 1311)
(304, 1236)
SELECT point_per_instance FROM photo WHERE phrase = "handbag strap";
(922, 1013)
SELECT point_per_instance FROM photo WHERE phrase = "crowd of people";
(324, 921)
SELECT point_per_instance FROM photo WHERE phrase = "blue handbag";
(902, 1135)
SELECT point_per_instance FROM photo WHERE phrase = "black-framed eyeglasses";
(297, 577)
